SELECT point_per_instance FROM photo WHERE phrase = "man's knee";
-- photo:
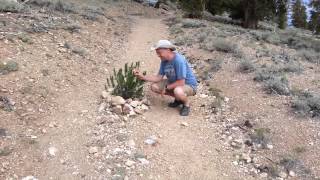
(178, 91)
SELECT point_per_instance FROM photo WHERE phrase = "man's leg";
(180, 95)
(155, 87)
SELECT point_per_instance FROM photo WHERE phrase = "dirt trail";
(191, 152)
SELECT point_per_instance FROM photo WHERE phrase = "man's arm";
(152, 78)
(149, 78)
(180, 82)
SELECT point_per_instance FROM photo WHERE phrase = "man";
(175, 77)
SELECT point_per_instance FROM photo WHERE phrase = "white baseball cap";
(165, 44)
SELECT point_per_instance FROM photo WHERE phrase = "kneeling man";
(175, 77)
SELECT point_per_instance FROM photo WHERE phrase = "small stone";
(130, 163)
(52, 151)
(185, 124)
(144, 107)
(292, 173)
(117, 109)
(246, 157)
(104, 94)
(29, 178)
(127, 109)
(283, 174)
(264, 175)
(152, 140)
(143, 161)
(117, 100)
(93, 150)
(146, 102)
(135, 103)
(138, 111)
(131, 143)
(269, 146)
(102, 107)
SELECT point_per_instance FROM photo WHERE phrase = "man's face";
(164, 54)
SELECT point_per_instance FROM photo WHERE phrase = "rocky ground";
(58, 121)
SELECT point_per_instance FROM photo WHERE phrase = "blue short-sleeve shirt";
(177, 69)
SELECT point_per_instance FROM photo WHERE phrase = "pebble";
(135, 103)
(152, 140)
(143, 161)
(93, 150)
(283, 174)
(29, 178)
(52, 151)
(292, 173)
(104, 94)
(264, 175)
(130, 163)
(117, 100)
(185, 124)
(269, 146)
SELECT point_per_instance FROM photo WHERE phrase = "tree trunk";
(250, 15)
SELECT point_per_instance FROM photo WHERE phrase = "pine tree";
(281, 13)
(314, 23)
(299, 16)
(193, 8)
(251, 11)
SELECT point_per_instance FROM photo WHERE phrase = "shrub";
(277, 85)
(192, 23)
(220, 44)
(263, 75)
(10, 6)
(260, 136)
(309, 55)
(124, 82)
(246, 66)
(55, 5)
(307, 103)
(8, 67)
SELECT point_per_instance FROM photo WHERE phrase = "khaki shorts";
(188, 90)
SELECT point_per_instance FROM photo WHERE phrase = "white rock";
(29, 178)
(52, 151)
(246, 157)
(131, 143)
(135, 103)
(185, 124)
(130, 163)
(93, 150)
(144, 107)
(102, 107)
(152, 140)
(283, 174)
(117, 100)
(105, 94)
(264, 175)
(269, 146)
(143, 161)
(292, 173)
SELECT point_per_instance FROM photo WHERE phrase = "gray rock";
(127, 109)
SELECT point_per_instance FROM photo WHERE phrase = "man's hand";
(137, 73)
